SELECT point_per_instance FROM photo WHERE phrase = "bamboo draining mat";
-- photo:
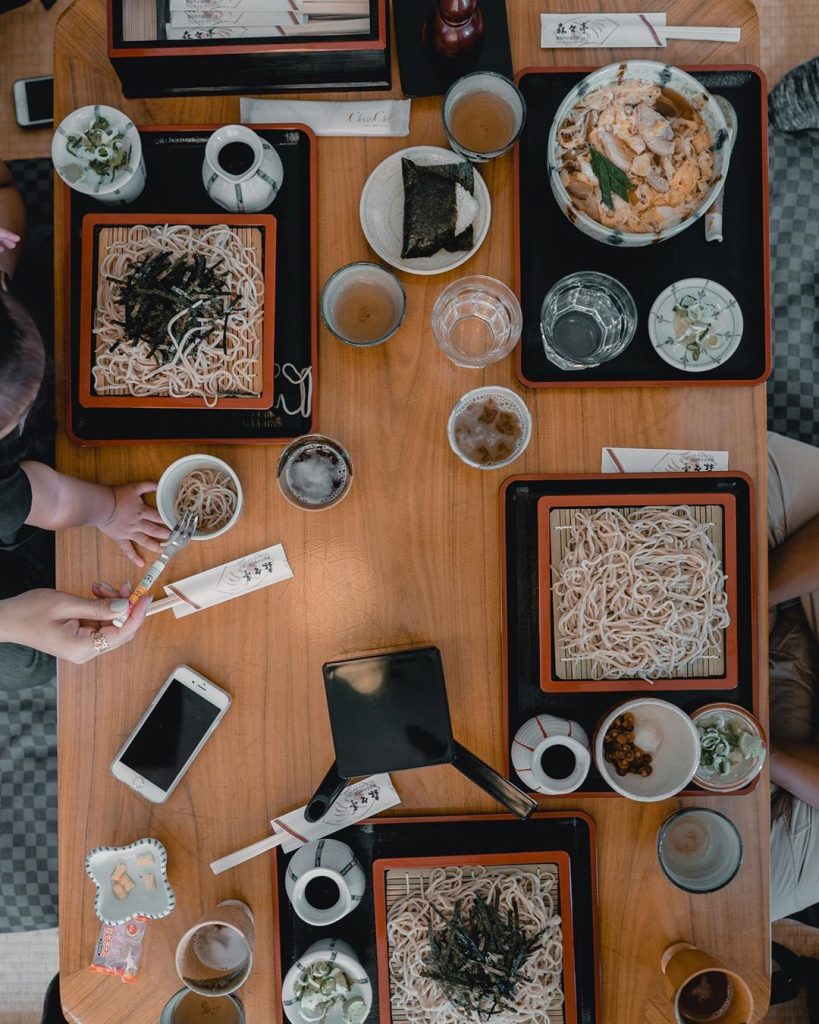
(139, 20)
(560, 520)
(402, 882)
(250, 237)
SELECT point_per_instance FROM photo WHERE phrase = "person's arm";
(59, 501)
(73, 628)
(793, 567)
(795, 767)
(12, 222)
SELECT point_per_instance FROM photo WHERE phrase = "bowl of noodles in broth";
(637, 152)
(204, 485)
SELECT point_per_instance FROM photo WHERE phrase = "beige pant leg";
(793, 500)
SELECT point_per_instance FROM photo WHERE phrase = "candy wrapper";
(118, 949)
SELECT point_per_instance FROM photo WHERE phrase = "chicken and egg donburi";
(635, 156)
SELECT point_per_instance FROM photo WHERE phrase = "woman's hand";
(73, 628)
(133, 522)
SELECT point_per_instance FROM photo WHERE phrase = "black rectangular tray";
(523, 698)
(549, 247)
(173, 162)
(379, 838)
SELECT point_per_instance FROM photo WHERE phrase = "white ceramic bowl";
(127, 184)
(344, 957)
(381, 211)
(679, 81)
(531, 742)
(173, 476)
(331, 859)
(668, 734)
(508, 400)
(141, 901)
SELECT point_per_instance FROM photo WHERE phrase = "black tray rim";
(571, 381)
(313, 427)
(752, 575)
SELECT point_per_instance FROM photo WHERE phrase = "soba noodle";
(211, 495)
(417, 998)
(640, 594)
(212, 359)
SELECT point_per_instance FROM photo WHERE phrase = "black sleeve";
(15, 504)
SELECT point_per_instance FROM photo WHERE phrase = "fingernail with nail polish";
(119, 606)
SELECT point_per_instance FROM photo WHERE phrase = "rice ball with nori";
(439, 208)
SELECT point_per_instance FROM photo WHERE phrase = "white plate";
(140, 901)
(382, 212)
(727, 326)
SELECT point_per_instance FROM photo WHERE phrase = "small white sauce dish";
(171, 480)
(336, 864)
(145, 865)
(723, 316)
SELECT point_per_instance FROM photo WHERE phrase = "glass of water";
(700, 850)
(586, 319)
(476, 321)
(314, 472)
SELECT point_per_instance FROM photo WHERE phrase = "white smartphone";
(170, 734)
(34, 101)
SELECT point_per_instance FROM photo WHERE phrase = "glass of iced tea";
(483, 114)
(314, 472)
(363, 304)
(489, 427)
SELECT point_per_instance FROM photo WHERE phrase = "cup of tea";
(363, 304)
(314, 472)
(703, 989)
(483, 114)
(215, 956)
(586, 319)
(324, 882)
(186, 1007)
(551, 755)
(699, 850)
(489, 427)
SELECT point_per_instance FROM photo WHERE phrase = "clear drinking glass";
(489, 427)
(586, 319)
(314, 472)
(476, 321)
(483, 115)
(700, 850)
(363, 304)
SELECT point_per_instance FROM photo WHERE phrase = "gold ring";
(101, 644)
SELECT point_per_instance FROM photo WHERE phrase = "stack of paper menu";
(229, 19)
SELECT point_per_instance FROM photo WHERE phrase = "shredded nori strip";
(478, 956)
(430, 208)
(158, 288)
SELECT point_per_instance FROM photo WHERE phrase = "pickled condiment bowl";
(744, 768)
(662, 730)
(343, 957)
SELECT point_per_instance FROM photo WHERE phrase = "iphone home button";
(138, 782)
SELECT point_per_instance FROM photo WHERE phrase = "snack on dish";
(639, 592)
(179, 313)
(439, 207)
(211, 495)
(636, 155)
(434, 977)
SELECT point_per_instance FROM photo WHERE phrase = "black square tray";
(521, 615)
(419, 77)
(380, 838)
(173, 162)
(550, 247)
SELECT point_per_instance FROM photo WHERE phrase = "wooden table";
(411, 556)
